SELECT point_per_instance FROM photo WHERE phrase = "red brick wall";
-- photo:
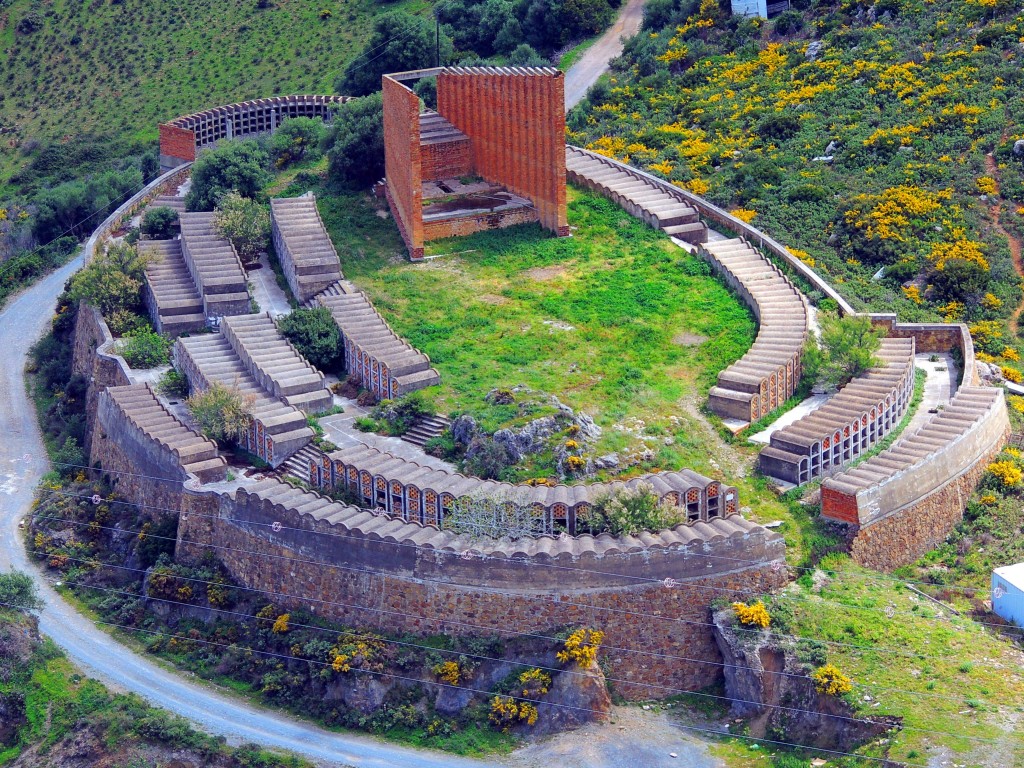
(517, 126)
(840, 506)
(177, 142)
(446, 160)
(467, 225)
(403, 164)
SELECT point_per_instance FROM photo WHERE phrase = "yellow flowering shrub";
(987, 185)
(281, 624)
(506, 712)
(896, 212)
(744, 214)
(581, 647)
(830, 681)
(988, 499)
(448, 672)
(1012, 374)
(755, 615)
(986, 333)
(1007, 473)
(1011, 451)
(535, 682)
(575, 463)
(572, 445)
(913, 293)
(1017, 403)
(1009, 353)
(967, 250)
(953, 311)
(991, 302)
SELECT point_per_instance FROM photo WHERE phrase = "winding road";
(23, 461)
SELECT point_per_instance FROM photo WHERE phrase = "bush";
(400, 414)
(239, 166)
(356, 141)
(788, 22)
(315, 335)
(755, 615)
(830, 680)
(221, 413)
(146, 349)
(848, 347)
(246, 223)
(111, 282)
(173, 384)
(581, 647)
(127, 323)
(629, 511)
(160, 223)
(295, 139)
(19, 592)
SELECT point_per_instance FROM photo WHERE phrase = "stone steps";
(308, 257)
(215, 267)
(175, 306)
(426, 428)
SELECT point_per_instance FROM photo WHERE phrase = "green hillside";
(113, 69)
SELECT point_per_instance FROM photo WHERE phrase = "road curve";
(22, 462)
(594, 62)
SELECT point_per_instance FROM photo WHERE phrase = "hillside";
(864, 136)
(111, 70)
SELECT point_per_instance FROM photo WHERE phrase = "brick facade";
(467, 225)
(446, 160)
(403, 163)
(177, 146)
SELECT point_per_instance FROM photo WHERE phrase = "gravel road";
(593, 63)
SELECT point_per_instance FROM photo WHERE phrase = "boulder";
(608, 461)
(814, 50)
(464, 429)
(1018, 148)
(577, 697)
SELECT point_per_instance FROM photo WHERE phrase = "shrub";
(788, 22)
(124, 322)
(18, 591)
(506, 712)
(239, 166)
(295, 139)
(1007, 473)
(173, 384)
(448, 672)
(146, 349)
(629, 511)
(848, 347)
(830, 681)
(503, 515)
(315, 335)
(755, 615)
(581, 647)
(400, 414)
(222, 414)
(246, 223)
(535, 683)
(1012, 374)
(281, 624)
(160, 223)
(356, 141)
(111, 282)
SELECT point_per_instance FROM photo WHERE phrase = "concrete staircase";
(215, 267)
(275, 363)
(308, 258)
(297, 465)
(171, 297)
(657, 205)
(168, 201)
(426, 428)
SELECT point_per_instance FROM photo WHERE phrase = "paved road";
(22, 462)
(594, 62)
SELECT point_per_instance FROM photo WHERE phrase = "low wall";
(397, 586)
(91, 358)
(934, 337)
(460, 226)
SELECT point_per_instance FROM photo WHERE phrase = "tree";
(160, 222)
(296, 138)
(222, 413)
(504, 515)
(17, 591)
(400, 42)
(239, 166)
(315, 335)
(111, 282)
(246, 223)
(848, 347)
(356, 157)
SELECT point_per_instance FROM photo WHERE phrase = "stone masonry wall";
(905, 536)
(402, 163)
(381, 585)
(102, 370)
(516, 123)
(141, 471)
(467, 225)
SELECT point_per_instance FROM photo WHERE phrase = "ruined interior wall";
(403, 164)
(516, 122)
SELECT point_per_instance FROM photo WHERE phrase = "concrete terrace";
(308, 258)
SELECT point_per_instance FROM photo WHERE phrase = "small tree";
(628, 511)
(315, 335)
(239, 166)
(17, 591)
(504, 515)
(246, 223)
(146, 349)
(160, 222)
(848, 347)
(356, 155)
(295, 139)
(222, 413)
(111, 282)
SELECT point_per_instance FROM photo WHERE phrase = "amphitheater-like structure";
(389, 547)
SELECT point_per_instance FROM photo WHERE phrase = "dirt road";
(594, 62)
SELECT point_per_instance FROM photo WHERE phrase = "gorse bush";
(755, 615)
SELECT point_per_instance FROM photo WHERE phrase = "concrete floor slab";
(812, 403)
(266, 291)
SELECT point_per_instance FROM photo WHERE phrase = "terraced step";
(308, 258)
(174, 305)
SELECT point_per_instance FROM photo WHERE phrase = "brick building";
(492, 155)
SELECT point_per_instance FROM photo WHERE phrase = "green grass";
(575, 53)
(116, 70)
(596, 320)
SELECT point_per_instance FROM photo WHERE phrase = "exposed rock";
(500, 397)
(451, 700)
(1018, 148)
(872, 14)
(832, 148)
(12, 716)
(770, 686)
(588, 428)
(577, 697)
(608, 461)
(989, 373)
(823, 159)
(814, 50)
(464, 429)
(363, 692)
